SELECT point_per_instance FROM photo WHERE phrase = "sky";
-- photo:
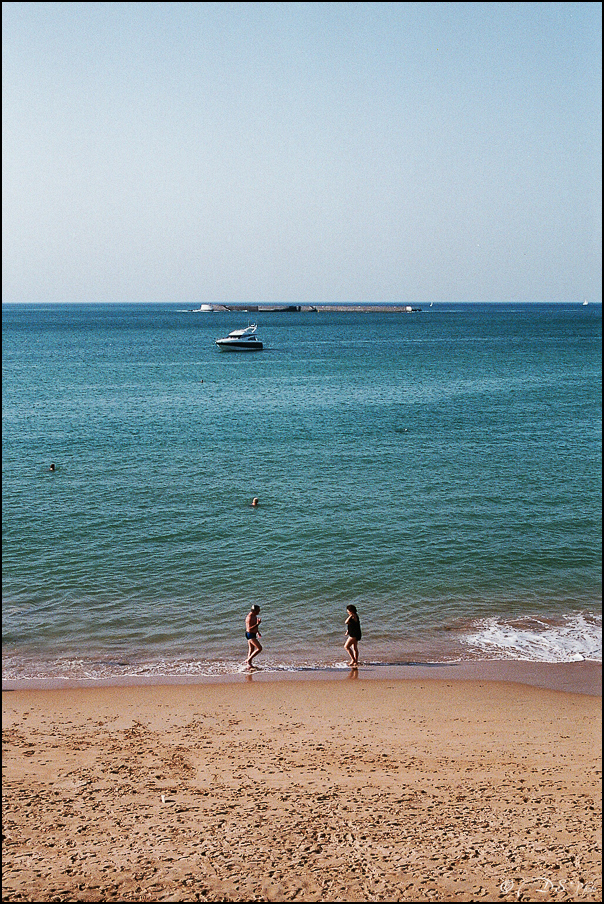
(301, 152)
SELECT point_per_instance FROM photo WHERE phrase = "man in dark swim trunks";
(252, 634)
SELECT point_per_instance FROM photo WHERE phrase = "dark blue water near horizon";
(441, 470)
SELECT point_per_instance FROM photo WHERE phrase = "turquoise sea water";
(441, 470)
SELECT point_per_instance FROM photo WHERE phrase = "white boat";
(241, 340)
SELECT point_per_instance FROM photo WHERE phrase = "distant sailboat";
(585, 301)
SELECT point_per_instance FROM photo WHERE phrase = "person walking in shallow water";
(252, 633)
(353, 635)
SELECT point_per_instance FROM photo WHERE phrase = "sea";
(440, 469)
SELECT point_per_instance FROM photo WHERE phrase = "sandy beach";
(350, 790)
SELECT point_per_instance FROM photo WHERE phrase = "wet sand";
(351, 790)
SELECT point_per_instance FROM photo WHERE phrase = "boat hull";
(244, 346)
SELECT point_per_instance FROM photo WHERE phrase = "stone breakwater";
(309, 308)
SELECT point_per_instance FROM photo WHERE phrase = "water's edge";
(569, 677)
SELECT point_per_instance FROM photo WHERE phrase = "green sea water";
(441, 470)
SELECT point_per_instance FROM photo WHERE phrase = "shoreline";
(378, 790)
(573, 677)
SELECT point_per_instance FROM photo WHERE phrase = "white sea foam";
(571, 639)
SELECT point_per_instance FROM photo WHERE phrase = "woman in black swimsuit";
(353, 635)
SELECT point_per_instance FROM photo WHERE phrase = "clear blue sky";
(301, 152)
